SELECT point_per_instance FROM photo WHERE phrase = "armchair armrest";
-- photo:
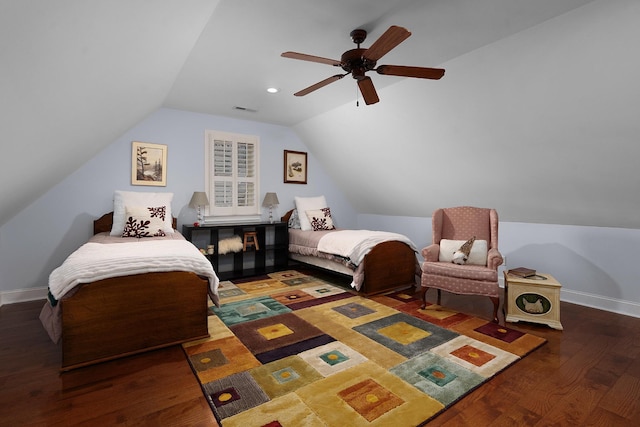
(494, 259)
(431, 253)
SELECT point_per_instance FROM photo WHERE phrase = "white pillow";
(477, 256)
(141, 199)
(304, 204)
(320, 219)
(144, 222)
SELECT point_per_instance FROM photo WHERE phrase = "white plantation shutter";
(232, 175)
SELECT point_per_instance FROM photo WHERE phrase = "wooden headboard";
(285, 217)
(105, 222)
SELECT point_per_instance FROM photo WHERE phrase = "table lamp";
(198, 200)
(270, 200)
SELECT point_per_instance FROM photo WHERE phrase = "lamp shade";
(199, 198)
(270, 199)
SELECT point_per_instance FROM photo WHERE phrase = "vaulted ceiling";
(74, 75)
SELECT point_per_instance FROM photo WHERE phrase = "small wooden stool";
(250, 239)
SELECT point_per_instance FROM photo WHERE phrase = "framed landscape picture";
(148, 164)
(295, 167)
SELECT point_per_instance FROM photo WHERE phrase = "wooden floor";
(586, 375)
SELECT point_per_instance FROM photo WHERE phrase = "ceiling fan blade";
(368, 90)
(387, 41)
(320, 84)
(305, 57)
(404, 71)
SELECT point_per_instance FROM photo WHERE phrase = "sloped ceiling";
(75, 74)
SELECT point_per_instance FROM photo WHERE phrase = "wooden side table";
(534, 299)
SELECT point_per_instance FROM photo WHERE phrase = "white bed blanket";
(355, 244)
(97, 261)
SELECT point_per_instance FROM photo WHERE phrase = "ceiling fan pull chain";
(357, 100)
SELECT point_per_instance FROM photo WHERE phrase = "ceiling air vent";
(248, 110)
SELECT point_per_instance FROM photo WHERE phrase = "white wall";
(542, 125)
(595, 265)
(38, 239)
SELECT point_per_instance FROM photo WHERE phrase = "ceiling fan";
(358, 61)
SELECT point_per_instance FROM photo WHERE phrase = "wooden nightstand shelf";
(532, 299)
(266, 251)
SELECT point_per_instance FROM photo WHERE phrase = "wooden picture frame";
(295, 167)
(148, 164)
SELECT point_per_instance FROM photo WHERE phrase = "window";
(231, 176)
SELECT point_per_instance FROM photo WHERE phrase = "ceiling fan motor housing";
(353, 61)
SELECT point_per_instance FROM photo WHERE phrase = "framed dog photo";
(295, 167)
(148, 164)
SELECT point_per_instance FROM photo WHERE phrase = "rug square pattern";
(370, 399)
(373, 351)
(269, 333)
(289, 274)
(227, 289)
(295, 281)
(476, 356)
(438, 377)
(248, 310)
(318, 300)
(220, 358)
(405, 404)
(479, 328)
(287, 410)
(331, 358)
(500, 332)
(433, 313)
(323, 290)
(284, 376)
(378, 331)
(378, 311)
(233, 394)
(297, 350)
(292, 296)
(353, 310)
(268, 284)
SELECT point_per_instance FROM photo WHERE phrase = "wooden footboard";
(388, 266)
(121, 316)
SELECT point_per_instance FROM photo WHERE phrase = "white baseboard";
(22, 295)
(599, 302)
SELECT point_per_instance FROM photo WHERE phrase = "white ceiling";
(75, 74)
(238, 54)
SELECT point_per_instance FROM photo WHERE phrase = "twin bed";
(105, 312)
(377, 262)
(117, 296)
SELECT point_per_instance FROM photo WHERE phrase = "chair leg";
(423, 297)
(439, 296)
(496, 303)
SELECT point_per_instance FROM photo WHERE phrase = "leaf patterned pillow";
(144, 222)
(321, 219)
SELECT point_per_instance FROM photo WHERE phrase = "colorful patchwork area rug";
(290, 349)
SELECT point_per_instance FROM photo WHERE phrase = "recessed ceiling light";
(272, 90)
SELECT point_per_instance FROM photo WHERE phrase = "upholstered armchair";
(478, 276)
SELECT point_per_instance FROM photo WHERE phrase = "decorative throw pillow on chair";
(461, 256)
(452, 248)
